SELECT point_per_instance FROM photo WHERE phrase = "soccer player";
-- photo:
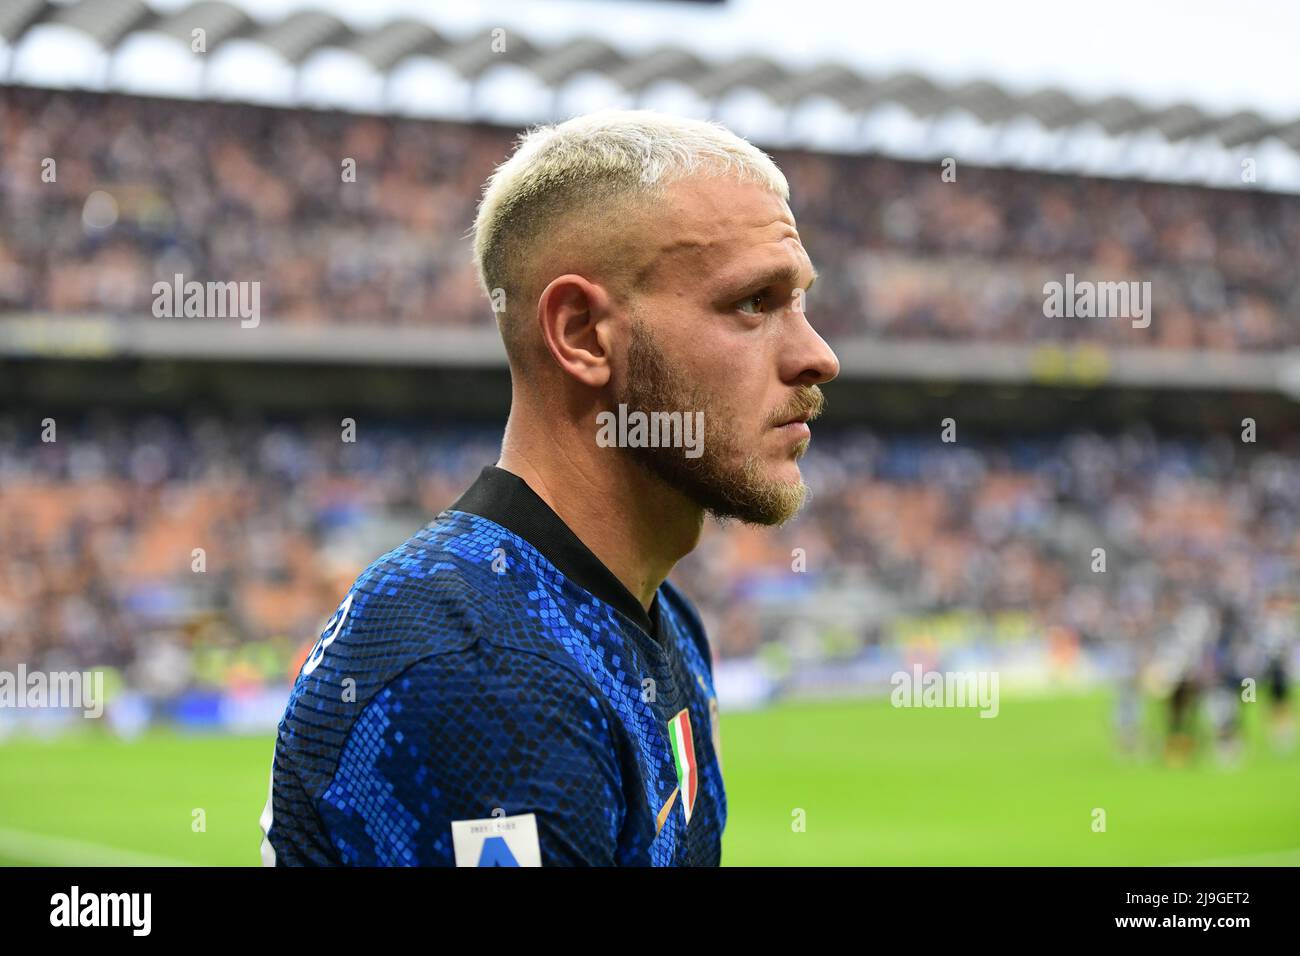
(518, 683)
(1276, 637)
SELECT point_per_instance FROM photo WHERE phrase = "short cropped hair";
(601, 160)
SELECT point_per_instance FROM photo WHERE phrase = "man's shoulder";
(449, 575)
(454, 584)
(440, 570)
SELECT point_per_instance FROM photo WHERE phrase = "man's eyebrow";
(781, 275)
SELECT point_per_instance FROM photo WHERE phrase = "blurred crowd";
(209, 552)
(140, 190)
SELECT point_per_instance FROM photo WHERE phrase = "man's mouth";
(800, 419)
(795, 424)
(796, 427)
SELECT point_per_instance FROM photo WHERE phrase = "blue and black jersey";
(489, 680)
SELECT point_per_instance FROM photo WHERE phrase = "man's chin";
(787, 471)
(776, 476)
(767, 503)
(766, 493)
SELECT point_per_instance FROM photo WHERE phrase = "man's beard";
(722, 488)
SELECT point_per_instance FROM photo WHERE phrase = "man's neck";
(636, 525)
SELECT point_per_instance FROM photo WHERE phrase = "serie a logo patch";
(683, 745)
(497, 841)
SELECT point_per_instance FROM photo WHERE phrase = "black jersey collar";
(505, 498)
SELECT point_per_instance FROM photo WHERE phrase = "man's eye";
(757, 300)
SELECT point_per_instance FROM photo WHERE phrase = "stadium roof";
(312, 58)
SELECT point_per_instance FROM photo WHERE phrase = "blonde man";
(527, 687)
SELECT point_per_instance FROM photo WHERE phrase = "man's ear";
(573, 315)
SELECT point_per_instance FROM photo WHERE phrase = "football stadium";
(1041, 608)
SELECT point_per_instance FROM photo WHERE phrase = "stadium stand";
(153, 188)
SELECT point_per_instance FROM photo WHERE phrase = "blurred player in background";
(1277, 637)
(1184, 661)
(1227, 665)
(1131, 651)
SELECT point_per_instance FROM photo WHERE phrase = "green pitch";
(844, 783)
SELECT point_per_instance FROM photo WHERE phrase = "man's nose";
(811, 361)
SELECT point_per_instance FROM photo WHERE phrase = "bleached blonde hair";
(602, 160)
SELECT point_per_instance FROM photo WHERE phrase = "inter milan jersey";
(489, 693)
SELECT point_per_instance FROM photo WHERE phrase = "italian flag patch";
(683, 744)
